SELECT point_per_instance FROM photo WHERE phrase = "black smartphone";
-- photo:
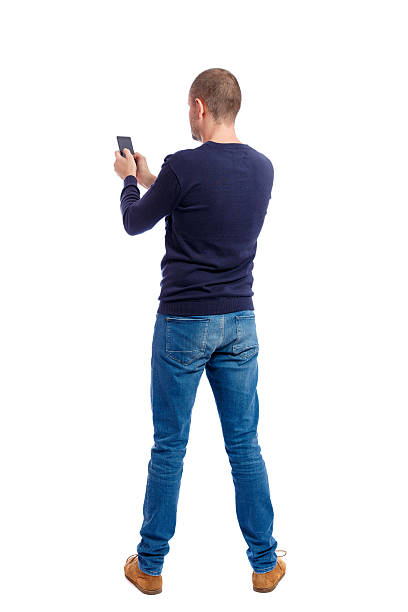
(125, 142)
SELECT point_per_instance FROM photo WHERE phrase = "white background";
(323, 96)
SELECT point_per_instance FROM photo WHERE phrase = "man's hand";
(125, 165)
(143, 174)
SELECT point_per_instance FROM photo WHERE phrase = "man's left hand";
(125, 165)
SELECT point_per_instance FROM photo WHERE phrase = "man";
(214, 199)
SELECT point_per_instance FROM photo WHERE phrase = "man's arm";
(141, 214)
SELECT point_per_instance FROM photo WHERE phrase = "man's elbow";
(131, 228)
(134, 229)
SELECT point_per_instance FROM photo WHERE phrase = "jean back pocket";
(186, 338)
(246, 342)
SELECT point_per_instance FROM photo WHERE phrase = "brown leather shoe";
(151, 585)
(263, 583)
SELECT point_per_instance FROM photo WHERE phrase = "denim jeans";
(226, 347)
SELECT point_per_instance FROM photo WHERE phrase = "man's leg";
(177, 364)
(233, 375)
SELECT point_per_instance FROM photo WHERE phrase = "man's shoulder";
(188, 160)
(183, 159)
(184, 154)
(264, 159)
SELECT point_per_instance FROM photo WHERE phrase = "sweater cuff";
(130, 179)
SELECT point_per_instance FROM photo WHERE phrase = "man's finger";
(129, 154)
(117, 154)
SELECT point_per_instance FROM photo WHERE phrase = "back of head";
(221, 93)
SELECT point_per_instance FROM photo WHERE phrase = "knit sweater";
(214, 199)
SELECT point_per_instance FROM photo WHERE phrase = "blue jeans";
(226, 347)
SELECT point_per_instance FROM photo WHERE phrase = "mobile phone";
(125, 142)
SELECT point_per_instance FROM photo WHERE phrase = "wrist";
(151, 180)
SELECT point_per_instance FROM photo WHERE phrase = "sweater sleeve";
(141, 214)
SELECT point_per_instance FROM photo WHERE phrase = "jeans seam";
(222, 332)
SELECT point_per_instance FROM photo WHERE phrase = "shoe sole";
(268, 590)
(155, 592)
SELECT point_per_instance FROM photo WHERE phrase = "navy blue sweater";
(214, 199)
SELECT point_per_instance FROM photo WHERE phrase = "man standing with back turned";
(214, 199)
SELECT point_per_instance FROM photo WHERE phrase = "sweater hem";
(222, 305)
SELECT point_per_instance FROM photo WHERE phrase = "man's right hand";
(143, 174)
